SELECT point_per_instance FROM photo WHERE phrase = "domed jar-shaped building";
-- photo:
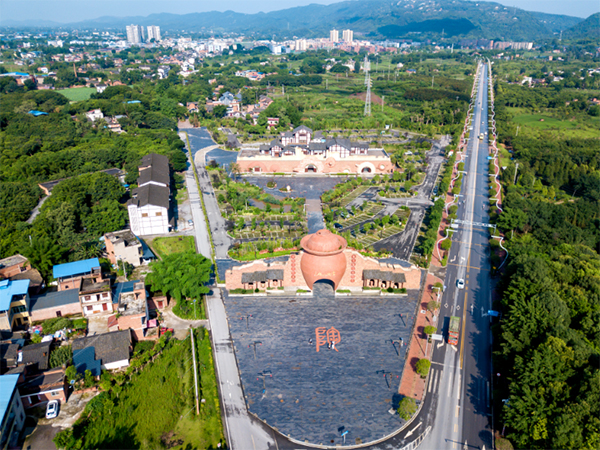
(323, 257)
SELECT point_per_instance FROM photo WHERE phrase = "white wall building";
(135, 34)
(334, 35)
(149, 208)
(154, 33)
(348, 35)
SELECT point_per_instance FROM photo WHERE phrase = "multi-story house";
(123, 246)
(149, 207)
(12, 414)
(94, 291)
(14, 304)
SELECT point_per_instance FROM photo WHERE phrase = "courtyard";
(307, 388)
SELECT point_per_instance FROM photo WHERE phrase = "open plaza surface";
(317, 395)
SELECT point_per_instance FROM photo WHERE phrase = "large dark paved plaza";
(318, 395)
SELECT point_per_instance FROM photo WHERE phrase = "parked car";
(338, 226)
(460, 283)
(191, 223)
(52, 409)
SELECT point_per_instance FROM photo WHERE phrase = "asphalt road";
(462, 373)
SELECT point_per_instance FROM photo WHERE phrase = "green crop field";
(542, 122)
(77, 94)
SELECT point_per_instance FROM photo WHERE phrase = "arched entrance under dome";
(323, 288)
(310, 168)
(366, 169)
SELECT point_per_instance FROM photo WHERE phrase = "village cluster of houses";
(81, 289)
(233, 103)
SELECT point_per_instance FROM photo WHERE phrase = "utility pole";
(195, 371)
(382, 102)
(515, 178)
(432, 78)
(368, 83)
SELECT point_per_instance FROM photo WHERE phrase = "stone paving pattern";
(310, 395)
(412, 385)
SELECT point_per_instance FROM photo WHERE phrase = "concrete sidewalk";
(242, 430)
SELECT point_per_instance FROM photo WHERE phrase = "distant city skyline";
(68, 11)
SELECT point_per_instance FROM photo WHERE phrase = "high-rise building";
(348, 35)
(153, 33)
(301, 45)
(334, 35)
(135, 34)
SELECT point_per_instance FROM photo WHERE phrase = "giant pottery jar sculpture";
(323, 257)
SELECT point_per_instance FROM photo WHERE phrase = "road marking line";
(457, 410)
(431, 380)
(439, 375)
(459, 388)
(469, 267)
(449, 389)
(455, 427)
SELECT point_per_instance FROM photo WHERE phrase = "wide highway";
(460, 382)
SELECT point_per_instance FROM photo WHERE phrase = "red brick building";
(325, 257)
(301, 151)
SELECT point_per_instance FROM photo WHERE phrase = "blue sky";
(66, 11)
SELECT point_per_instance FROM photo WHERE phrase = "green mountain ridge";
(373, 19)
(589, 29)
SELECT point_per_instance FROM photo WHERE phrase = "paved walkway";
(200, 229)
(242, 430)
(412, 385)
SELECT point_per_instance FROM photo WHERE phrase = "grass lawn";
(77, 94)
(542, 122)
(176, 244)
(250, 256)
(155, 407)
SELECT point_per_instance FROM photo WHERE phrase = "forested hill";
(368, 18)
(548, 341)
(588, 29)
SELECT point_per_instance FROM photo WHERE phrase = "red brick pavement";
(412, 385)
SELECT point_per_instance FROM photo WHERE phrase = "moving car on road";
(460, 283)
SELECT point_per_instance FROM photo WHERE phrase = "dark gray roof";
(317, 146)
(37, 354)
(110, 347)
(277, 142)
(50, 380)
(156, 174)
(360, 145)
(288, 134)
(269, 274)
(302, 127)
(151, 194)
(154, 159)
(52, 299)
(384, 276)
(340, 141)
(8, 356)
(264, 147)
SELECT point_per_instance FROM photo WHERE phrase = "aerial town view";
(293, 225)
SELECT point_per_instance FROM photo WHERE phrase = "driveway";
(181, 326)
(44, 432)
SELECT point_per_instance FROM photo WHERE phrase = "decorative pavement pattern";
(317, 367)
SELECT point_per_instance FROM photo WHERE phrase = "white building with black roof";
(149, 206)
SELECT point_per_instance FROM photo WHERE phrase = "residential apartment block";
(153, 33)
